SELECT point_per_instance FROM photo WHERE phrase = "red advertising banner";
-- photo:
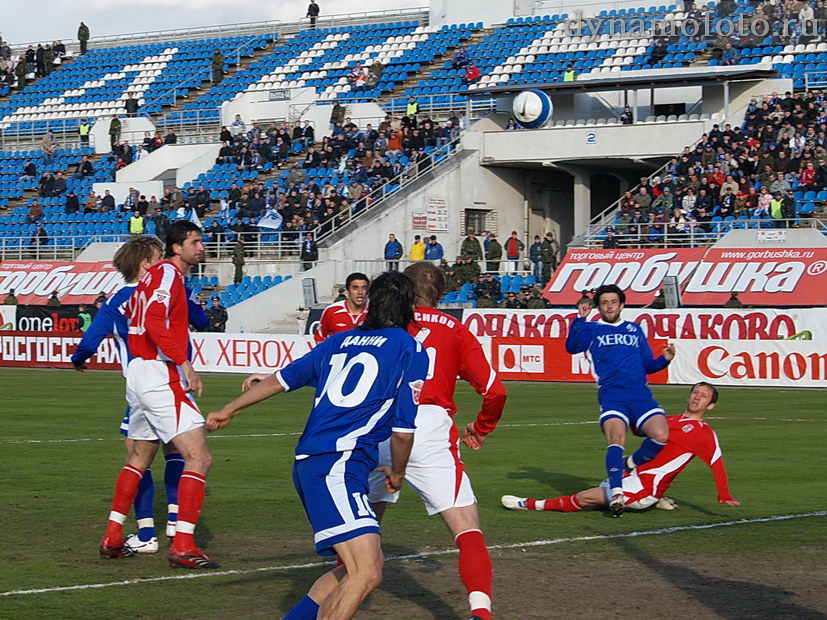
(761, 277)
(546, 359)
(75, 283)
(638, 272)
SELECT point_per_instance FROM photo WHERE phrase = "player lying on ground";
(159, 383)
(621, 358)
(644, 487)
(368, 382)
(132, 260)
(435, 470)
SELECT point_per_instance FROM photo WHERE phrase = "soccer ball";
(532, 108)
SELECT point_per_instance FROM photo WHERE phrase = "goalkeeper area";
(61, 453)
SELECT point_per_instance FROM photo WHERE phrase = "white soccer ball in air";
(532, 108)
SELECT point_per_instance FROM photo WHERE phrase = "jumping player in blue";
(621, 358)
(367, 382)
(132, 260)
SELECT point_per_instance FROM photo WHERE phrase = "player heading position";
(621, 358)
(343, 315)
(368, 381)
(159, 384)
(435, 470)
(132, 260)
(689, 436)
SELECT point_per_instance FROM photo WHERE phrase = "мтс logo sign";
(521, 358)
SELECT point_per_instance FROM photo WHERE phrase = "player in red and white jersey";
(435, 470)
(160, 381)
(643, 487)
(340, 316)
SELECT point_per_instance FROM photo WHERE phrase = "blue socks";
(648, 450)
(174, 467)
(144, 501)
(614, 466)
(306, 609)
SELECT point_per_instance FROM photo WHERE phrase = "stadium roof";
(651, 78)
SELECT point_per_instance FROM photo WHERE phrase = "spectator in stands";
(29, 172)
(730, 55)
(461, 58)
(534, 252)
(549, 249)
(59, 49)
(170, 138)
(513, 250)
(237, 128)
(20, 71)
(309, 251)
(626, 117)
(471, 75)
(657, 54)
(239, 252)
(312, 13)
(417, 250)
(471, 248)
(59, 185)
(512, 302)
(733, 301)
(49, 145)
(83, 131)
(643, 198)
(131, 105)
(434, 251)
(493, 253)
(726, 7)
(217, 316)
(114, 131)
(46, 185)
(53, 301)
(217, 66)
(161, 222)
(513, 125)
(136, 224)
(35, 212)
(393, 252)
(569, 75)
(39, 238)
(91, 204)
(83, 37)
(48, 60)
(72, 204)
(610, 241)
(107, 202)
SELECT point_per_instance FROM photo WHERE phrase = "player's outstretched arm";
(269, 386)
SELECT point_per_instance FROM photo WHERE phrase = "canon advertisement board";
(762, 277)
(76, 283)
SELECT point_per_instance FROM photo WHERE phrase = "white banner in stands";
(791, 363)
(247, 353)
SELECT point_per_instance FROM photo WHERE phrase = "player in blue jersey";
(132, 260)
(621, 358)
(367, 382)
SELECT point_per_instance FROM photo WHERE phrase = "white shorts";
(159, 407)
(434, 470)
(638, 495)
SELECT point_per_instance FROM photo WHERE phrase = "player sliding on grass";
(689, 436)
(435, 470)
(132, 260)
(621, 358)
(368, 382)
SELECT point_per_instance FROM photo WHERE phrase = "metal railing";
(378, 197)
(262, 28)
(695, 236)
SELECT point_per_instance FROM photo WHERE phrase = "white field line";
(425, 554)
(518, 425)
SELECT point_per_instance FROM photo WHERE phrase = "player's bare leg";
(141, 454)
(475, 568)
(589, 498)
(615, 431)
(363, 561)
(192, 445)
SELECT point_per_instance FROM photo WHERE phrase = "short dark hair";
(391, 302)
(177, 233)
(356, 275)
(609, 288)
(710, 386)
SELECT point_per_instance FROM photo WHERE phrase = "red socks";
(190, 501)
(476, 572)
(126, 488)
(566, 503)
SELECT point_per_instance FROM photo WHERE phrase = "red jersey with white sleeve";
(455, 352)
(338, 318)
(688, 438)
(159, 316)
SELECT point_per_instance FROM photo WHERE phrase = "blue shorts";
(334, 491)
(634, 407)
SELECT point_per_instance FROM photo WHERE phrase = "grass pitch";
(61, 453)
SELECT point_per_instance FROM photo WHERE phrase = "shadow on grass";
(727, 598)
(560, 483)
